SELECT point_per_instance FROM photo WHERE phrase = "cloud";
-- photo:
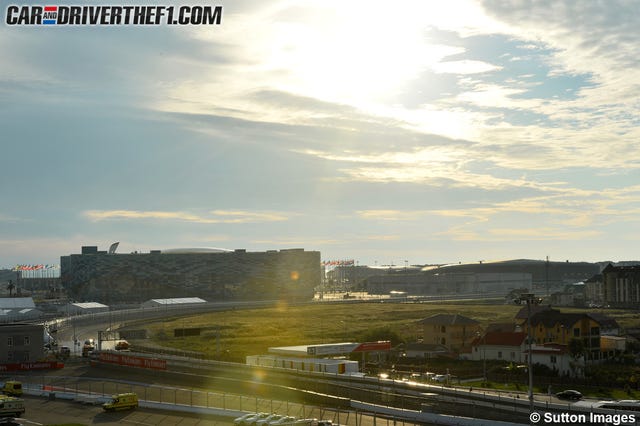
(523, 234)
(217, 216)
(464, 67)
(299, 242)
(390, 215)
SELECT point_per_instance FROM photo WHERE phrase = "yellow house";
(552, 326)
(454, 331)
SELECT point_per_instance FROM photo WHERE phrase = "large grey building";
(484, 278)
(21, 343)
(621, 286)
(213, 275)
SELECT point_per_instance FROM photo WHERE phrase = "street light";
(529, 299)
(484, 356)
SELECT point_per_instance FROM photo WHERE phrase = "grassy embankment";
(232, 335)
(235, 334)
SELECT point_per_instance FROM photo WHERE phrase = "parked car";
(252, 419)
(569, 394)
(267, 420)
(240, 420)
(314, 422)
(440, 378)
(284, 420)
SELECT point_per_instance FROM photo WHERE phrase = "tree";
(576, 348)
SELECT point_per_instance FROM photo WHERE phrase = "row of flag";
(34, 267)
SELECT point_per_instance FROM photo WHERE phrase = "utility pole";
(546, 274)
(529, 299)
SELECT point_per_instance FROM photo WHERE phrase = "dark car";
(569, 394)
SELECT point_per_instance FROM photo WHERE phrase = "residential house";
(608, 325)
(612, 345)
(552, 326)
(503, 327)
(556, 357)
(506, 346)
(513, 348)
(454, 331)
(424, 350)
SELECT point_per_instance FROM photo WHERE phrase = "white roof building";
(181, 301)
(84, 308)
(18, 309)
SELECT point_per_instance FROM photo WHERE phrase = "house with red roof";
(513, 347)
(505, 346)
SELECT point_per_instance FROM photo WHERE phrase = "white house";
(505, 346)
(556, 357)
(513, 347)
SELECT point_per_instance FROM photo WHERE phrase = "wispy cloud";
(464, 67)
(216, 216)
(522, 234)
(391, 215)
(489, 121)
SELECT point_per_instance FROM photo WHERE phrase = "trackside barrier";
(431, 418)
(97, 391)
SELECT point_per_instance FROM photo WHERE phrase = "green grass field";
(235, 334)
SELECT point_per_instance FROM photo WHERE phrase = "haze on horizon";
(425, 132)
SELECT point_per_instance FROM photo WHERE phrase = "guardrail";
(95, 391)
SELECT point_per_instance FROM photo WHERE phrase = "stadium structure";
(212, 274)
(482, 278)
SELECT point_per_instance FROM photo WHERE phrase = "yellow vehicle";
(12, 387)
(121, 401)
(11, 407)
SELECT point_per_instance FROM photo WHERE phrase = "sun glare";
(352, 52)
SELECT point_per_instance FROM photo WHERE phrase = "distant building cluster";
(459, 283)
(482, 279)
(109, 278)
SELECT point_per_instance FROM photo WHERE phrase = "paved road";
(78, 377)
(41, 411)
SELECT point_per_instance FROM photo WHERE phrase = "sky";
(397, 132)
